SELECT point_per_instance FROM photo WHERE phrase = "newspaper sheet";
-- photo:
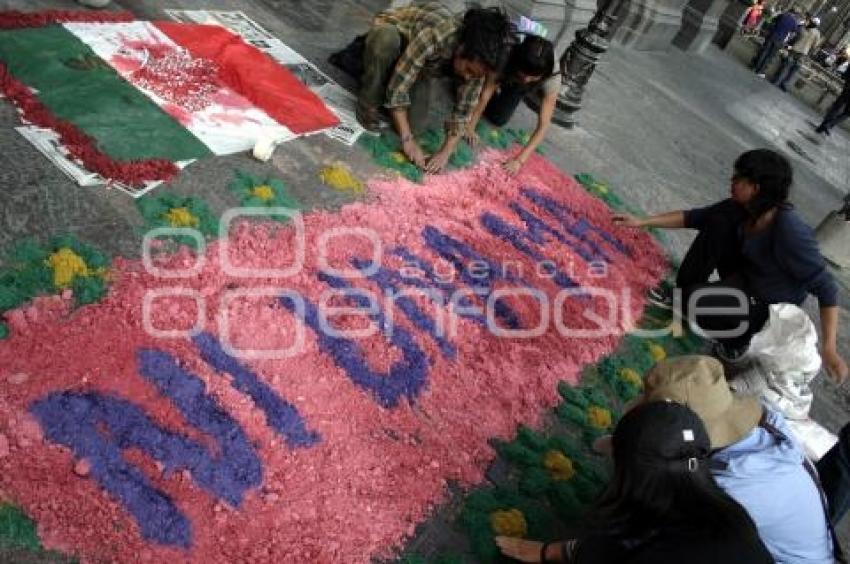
(48, 143)
(339, 100)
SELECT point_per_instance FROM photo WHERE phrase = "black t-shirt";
(669, 547)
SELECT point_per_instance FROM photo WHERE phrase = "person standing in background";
(783, 27)
(752, 17)
(807, 43)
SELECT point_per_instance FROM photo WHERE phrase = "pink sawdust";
(376, 472)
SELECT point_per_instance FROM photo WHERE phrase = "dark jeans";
(504, 103)
(834, 472)
(717, 247)
(838, 111)
(766, 53)
(787, 70)
(384, 45)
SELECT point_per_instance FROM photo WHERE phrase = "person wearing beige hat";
(662, 505)
(754, 458)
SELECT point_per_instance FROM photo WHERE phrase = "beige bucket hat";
(699, 383)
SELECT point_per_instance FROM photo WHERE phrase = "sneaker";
(761, 75)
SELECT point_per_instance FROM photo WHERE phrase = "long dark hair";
(486, 35)
(662, 479)
(773, 174)
(535, 56)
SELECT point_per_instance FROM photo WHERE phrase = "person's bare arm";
(408, 144)
(544, 119)
(486, 95)
(835, 365)
(669, 220)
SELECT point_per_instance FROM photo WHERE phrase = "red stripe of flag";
(254, 75)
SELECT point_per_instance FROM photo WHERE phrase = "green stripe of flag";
(79, 87)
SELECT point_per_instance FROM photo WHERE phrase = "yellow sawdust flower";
(67, 266)
(263, 192)
(657, 352)
(181, 217)
(631, 376)
(510, 523)
(601, 188)
(599, 417)
(340, 178)
(398, 157)
(560, 467)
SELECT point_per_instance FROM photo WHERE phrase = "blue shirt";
(767, 477)
(783, 263)
(783, 27)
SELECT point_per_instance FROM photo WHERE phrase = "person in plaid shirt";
(407, 47)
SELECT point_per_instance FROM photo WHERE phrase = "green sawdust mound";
(33, 269)
(386, 152)
(255, 192)
(19, 541)
(171, 210)
(502, 138)
(17, 530)
(491, 512)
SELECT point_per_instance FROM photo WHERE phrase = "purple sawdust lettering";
(388, 281)
(237, 468)
(281, 415)
(572, 223)
(406, 378)
(517, 237)
(434, 282)
(72, 419)
(455, 252)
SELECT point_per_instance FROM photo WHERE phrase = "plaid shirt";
(430, 33)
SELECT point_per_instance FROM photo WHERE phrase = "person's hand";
(520, 549)
(471, 138)
(437, 162)
(626, 220)
(835, 366)
(413, 152)
(512, 166)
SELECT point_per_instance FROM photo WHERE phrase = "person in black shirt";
(839, 110)
(662, 505)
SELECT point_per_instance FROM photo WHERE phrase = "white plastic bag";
(787, 350)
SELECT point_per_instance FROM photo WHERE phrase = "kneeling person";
(530, 67)
(407, 47)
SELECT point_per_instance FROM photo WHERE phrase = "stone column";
(729, 23)
(700, 23)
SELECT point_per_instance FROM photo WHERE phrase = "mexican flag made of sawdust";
(130, 98)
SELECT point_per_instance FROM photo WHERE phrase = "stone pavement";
(663, 128)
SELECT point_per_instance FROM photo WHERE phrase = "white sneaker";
(761, 75)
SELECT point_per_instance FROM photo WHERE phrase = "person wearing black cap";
(662, 505)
